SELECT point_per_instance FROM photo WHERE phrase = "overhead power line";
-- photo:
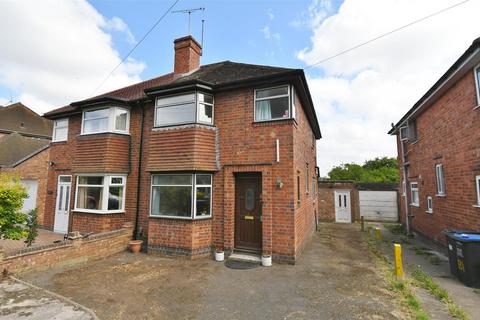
(135, 46)
(385, 34)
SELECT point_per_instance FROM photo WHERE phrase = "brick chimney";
(187, 55)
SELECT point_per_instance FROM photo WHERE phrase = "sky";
(57, 51)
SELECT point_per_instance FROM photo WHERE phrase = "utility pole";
(189, 11)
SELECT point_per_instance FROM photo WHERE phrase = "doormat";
(240, 265)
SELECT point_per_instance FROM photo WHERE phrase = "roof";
(19, 118)
(16, 148)
(216, 75)
(464, 63)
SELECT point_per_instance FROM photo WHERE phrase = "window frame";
(111, 120)
(429, 204)
(412, 189)
(55, 130)
(194, 185)
(477, 85)
(477, 186)
(403, 133)
(289, 95)
(440, 178)
(307, 180)
(195, 101)
(107, 178)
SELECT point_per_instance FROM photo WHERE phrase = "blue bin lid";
(466, 236)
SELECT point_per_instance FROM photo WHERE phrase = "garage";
(31, 202)
(378, 205)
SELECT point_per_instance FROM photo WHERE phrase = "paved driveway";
(334, 279)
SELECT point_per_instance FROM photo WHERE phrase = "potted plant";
(135, 245)
(266, 260)
(219, 254)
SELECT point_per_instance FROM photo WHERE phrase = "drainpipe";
(139, 173)
(404, 170)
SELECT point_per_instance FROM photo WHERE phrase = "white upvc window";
(403, 133)
(440, 179)
(60, 130)
(429, 205)
(307, 179)
(404, 188)
(414, 194)
(192, 107)
(477, 183)
(276, 103)
(100, 193)
(477, 84)
(181, 196)
(108, 119)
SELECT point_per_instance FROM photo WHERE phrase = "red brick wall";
(35, 168)
(80, 250)
(326, 199)
(187, 55)
(106, 152)
(448, 134)
(182, 148)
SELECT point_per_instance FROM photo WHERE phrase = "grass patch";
(400, 288)
(435, 260)
(422, 251)
(476, 290)
(426, 282)
(395, 228)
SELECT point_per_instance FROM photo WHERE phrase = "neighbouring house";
(439, 152)
(24, 150)
(219, 156)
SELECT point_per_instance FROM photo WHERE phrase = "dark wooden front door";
(248, 212)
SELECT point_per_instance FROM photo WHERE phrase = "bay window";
(60, 130)
(110, 119)
(183, 196)
(193, 107)
(275, 103)
(100, 193)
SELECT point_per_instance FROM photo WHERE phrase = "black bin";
(464, 256)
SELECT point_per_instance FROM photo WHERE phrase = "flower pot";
(135, 245)
(266, 261)
(219, 255)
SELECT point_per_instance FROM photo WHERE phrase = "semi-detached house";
(439, 152)
(218, 156)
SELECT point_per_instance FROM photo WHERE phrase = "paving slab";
(20, 301)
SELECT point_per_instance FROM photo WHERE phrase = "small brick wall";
(67, 253)
(326, 203)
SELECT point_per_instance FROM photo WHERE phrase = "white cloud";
(59, 52)
(360, 93)
(270, 14)
(117, 24)
(269, 35)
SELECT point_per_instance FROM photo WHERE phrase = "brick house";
(214, 156)
(439, 153)
(24, 151)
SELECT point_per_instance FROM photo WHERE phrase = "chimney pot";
(187, 55)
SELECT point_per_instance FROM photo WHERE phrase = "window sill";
(98, 211)
(476, 107)
(476, 206)
(414, 142)
(443, 195)
(103, 132)
(59, 142)
(414, 205)
(182, 125)
(180, 218)
(429, 212)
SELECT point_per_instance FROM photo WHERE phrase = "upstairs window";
(477, 183)
(403, 133)
(184, 109)
(60, 130)
(273, 103)
(412, 131)
(414, 194)
(440, 179)
(477, 84)
(111, 119)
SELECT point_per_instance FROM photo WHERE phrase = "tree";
(377, 170)
(14, 224)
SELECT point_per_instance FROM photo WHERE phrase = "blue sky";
(55, 52)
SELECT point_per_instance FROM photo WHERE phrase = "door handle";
(249, 217)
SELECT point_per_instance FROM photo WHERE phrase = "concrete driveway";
(334, 279)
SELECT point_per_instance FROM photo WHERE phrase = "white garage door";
(379, 205)
(30, 202)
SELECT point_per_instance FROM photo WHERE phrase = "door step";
(250, 257)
